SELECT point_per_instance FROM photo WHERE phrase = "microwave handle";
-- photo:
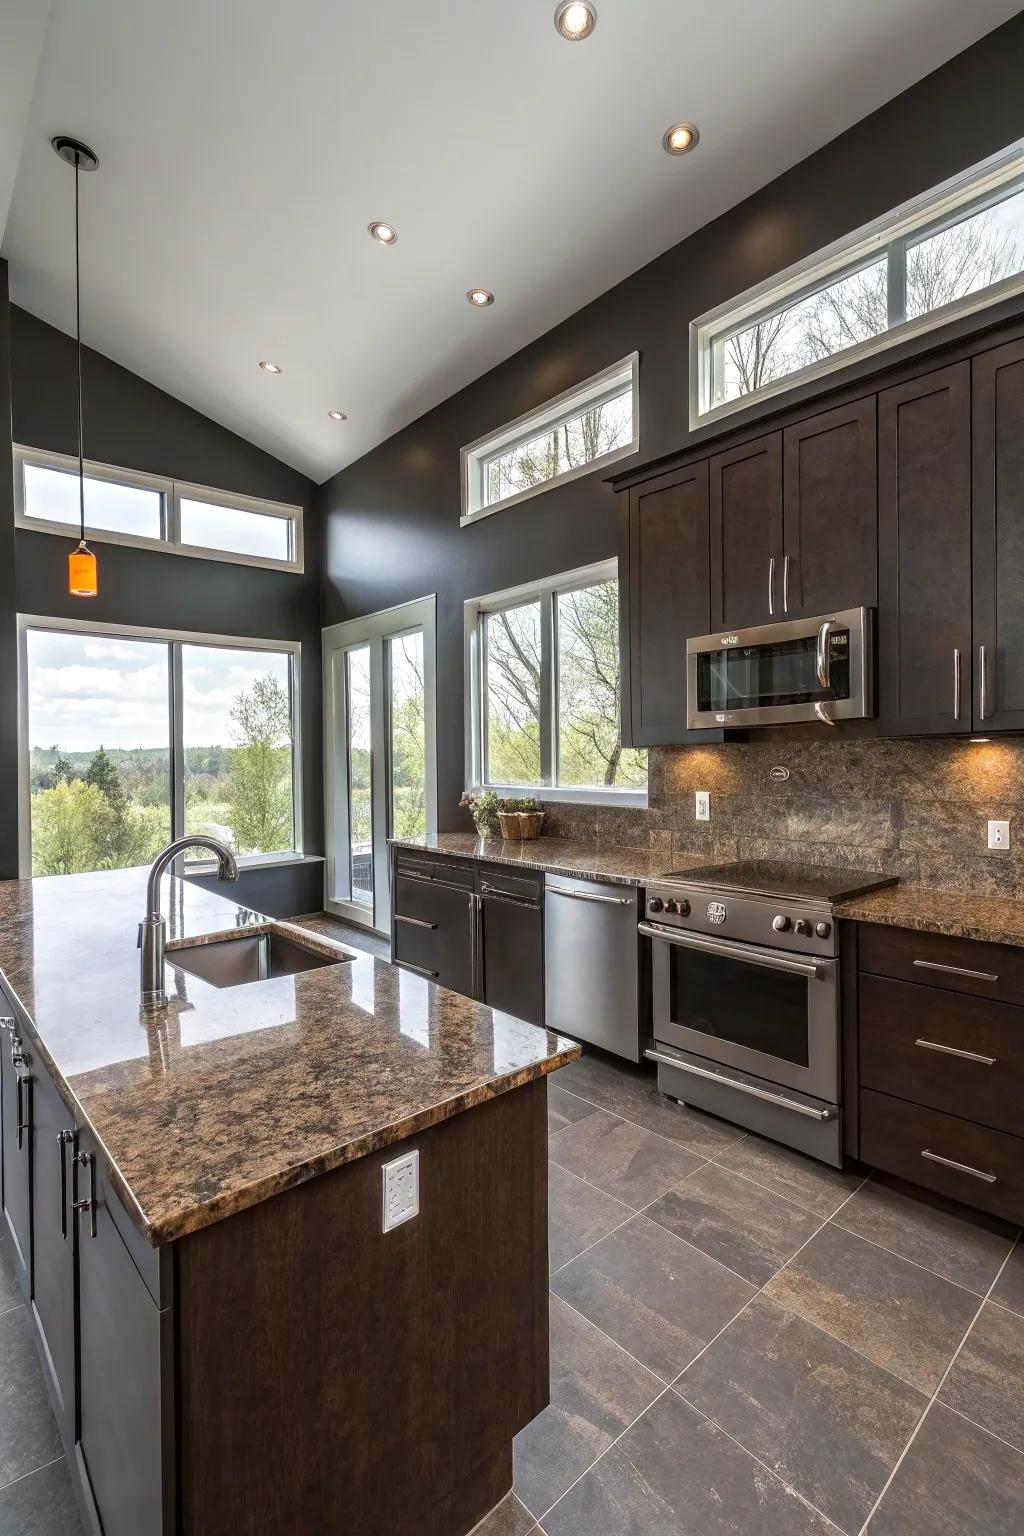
(822, 658)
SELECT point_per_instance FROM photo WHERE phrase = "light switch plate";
(999, 834)
(703, 805)
(401, 1190)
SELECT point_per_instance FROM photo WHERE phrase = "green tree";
(63, 822)
(259, 786)
(102, 772)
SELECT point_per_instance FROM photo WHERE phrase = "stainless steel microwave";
(778, 674)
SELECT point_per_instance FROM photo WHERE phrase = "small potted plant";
(520, 818)
(484, 810)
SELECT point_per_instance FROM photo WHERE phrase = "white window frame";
(546, 592)
(969, 192)
(548, 417)
(171, 492)
(172, 638)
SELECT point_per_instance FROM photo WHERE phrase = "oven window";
(745, 1004)
(784, 672)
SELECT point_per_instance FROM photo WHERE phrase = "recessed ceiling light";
(384, 234)
(480, 297)
(575, 19)
(337, 415)
(680, 138)
(270, 367)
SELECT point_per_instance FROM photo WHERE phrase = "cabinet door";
(924, 554)
(831, 511)
(123, 1432)
(512, 956)
(665, 601)
(746, 534)
(16, 1090)
(999, 538)
(434, 931)
(53, 1287)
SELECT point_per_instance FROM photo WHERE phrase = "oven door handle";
(777, 1099)
(766, 959)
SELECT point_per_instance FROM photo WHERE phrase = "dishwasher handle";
(611, 901)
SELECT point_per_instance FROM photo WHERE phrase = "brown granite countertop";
(557, 856)
(224, 1097)
(959, 915)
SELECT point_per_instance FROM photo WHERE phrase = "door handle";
(822, 659)
(611, 901)
(24, 1106)
(766, 960)
(63, 1139)
(771, 587)
(956, 684)
(982, 683)
(87, 1160)
(748, 1088)
(785, 585)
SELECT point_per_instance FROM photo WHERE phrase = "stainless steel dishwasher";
(592, 982)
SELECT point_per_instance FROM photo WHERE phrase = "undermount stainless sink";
(250, 957)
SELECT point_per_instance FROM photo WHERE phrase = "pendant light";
(82, 570)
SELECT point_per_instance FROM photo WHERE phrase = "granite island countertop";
(224, 1097)
(556, 856)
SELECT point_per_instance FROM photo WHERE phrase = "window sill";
(601, 462)
(254, 861)
(564, 795)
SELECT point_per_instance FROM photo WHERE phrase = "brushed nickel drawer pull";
(771, 587)
(421, 970)
(785, 585)
(951, 1050)
(947, 1162)
(956, 684)
(956, 970)
(416, 922)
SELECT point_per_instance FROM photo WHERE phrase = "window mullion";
(896, 282)
(548, 725)
(177, 753)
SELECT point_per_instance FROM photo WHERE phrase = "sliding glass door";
(380, 751)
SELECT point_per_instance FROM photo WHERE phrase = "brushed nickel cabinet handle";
(24, 1106)
(771, 587)
(64, 1139)
(415, 922)
(86, 1160)
(983, 684)
(956, 684)
(951, 1050)
(948, 1162)
(785, 585)
(956, 970)
(420, 970)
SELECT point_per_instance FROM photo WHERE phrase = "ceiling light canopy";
(575, 19)
(480, 297)
(269, 367)
(680, 138)
(384, 234)
(337, 415)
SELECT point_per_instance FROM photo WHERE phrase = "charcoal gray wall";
(131, 423)
(8, 623)
(392, 519)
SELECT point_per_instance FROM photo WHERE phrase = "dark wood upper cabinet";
(746, 534)
(999, 538)
(665, 581)
(924, 554)
(830, 514)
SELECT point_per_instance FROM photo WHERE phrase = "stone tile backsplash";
(917, 809)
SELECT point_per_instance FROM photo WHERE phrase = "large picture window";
(123, 506)
(583, 429)
(957, 249)
(133, 738)
(543, 690)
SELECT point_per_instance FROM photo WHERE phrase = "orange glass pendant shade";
(82, 572)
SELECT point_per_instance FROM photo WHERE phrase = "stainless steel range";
(746, 995)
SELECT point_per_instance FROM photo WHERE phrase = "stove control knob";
(671, 906)
(655, 904)
(803, 927)
(781, 923)
(823, 930)
(684, 907)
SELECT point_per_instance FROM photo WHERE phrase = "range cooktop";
(807, 882)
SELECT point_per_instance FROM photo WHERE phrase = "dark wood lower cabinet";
(16, 1147)
(53, 1242)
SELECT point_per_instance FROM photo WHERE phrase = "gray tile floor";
(746, 1343)
(743, 1343)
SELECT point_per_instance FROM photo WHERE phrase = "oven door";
(771, 1014)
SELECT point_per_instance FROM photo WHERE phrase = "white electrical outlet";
(999, 834)
(703, 803)
(401, 1190)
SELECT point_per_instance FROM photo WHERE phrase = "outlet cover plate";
(999, 834)
(401, 1185)
(702, 801)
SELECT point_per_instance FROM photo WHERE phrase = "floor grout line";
(35, 1471)
(672, 1385)
(636, 1209)
(969, 1290)
(684, 1146)
(984, 1429)
(749, 1178)
(649, 1370)
(934, 1397)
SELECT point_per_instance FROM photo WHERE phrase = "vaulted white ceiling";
(245, 144)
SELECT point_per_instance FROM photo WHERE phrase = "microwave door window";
(756, 677)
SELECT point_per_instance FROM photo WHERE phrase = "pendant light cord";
(78, 331)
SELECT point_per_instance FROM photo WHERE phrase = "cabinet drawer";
(961, 965)
(423, 868)
(528, 884)
(953, 1052)
(435, 931)
(895, 1137)
(417, 948)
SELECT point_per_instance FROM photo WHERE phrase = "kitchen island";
(194, 1194)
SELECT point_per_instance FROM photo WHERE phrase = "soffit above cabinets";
(244, 149)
